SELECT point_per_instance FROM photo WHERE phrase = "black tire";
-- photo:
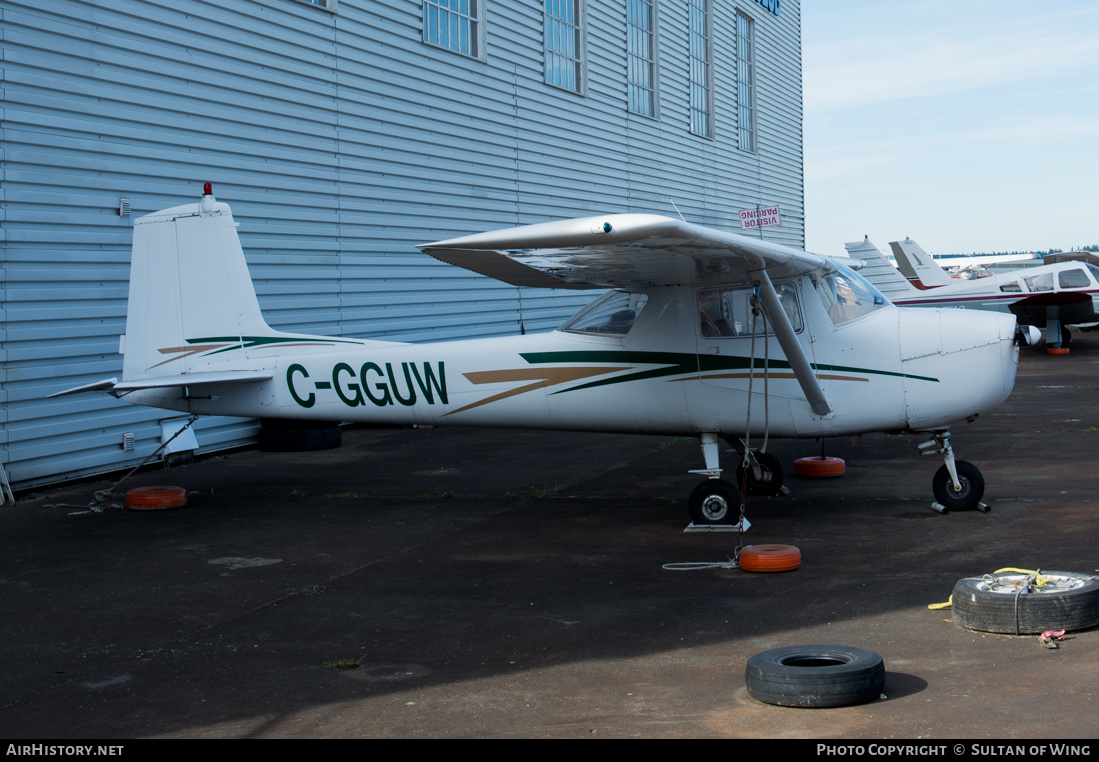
(973, 487)
(277, 435)
(815, 676)
(771, 465)
(714, 501)
(975, 607)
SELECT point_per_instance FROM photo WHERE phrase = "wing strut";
(784, 332)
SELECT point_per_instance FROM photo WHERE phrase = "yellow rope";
(937, 606)
(1039, 581)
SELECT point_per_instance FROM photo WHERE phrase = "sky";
(968, 125)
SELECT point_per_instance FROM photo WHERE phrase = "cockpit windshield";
(611, 315)
(846, 295)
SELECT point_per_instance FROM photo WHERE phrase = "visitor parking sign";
(760, 217)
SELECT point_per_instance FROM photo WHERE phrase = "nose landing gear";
(958, 485)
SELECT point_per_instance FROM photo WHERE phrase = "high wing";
(626, 251)
(634, 252)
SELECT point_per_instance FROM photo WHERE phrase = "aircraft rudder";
(189, 285)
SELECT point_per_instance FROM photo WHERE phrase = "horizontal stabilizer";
(106, 385)
(113, 386)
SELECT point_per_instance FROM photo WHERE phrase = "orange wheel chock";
(819, 468)
(769, 558)
(154, 498)
(1057, 350)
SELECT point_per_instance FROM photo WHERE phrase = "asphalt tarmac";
(483, 583)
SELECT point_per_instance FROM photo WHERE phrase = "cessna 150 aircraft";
(1052, 296)
(706, 333)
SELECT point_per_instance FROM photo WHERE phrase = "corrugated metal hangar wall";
(343, 135)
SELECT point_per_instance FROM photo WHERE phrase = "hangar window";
(745, 83)
(700, 59)
(609, 315)
(455, 25)
(563, 43)
(641, 56)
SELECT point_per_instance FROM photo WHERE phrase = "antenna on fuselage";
(672, 202)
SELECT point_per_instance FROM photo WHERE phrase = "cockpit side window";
(727, 312)
(1041, 282)
(611, 315)
(846, 295)
(1076, 278)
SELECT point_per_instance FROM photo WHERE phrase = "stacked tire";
(286, 435)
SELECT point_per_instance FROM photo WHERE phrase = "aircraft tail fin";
(878, 269)
(918, 265)
(191, 297)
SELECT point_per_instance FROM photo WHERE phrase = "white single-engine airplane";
(707, 333)
(1052, 296)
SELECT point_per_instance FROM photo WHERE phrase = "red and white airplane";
(1052, 296)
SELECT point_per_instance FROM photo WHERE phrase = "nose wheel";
(971, 487)
(958, 484)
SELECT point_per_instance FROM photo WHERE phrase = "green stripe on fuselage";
(679, 363)
(248, 342)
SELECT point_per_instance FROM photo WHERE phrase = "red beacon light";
(208, 203)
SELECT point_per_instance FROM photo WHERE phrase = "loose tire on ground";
(819, 468)
(976, 607)
(769, 558)
(156, 498)
(815, 676)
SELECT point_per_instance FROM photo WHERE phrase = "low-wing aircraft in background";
(1052, 296)
(704, 333)
(924, 271)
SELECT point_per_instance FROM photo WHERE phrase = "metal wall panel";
(342, 141)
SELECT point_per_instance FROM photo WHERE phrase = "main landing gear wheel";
(714, 501)
(972, 483)
(770, 478)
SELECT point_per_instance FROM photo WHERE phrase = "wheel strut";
(957, 484)
(939, 444)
